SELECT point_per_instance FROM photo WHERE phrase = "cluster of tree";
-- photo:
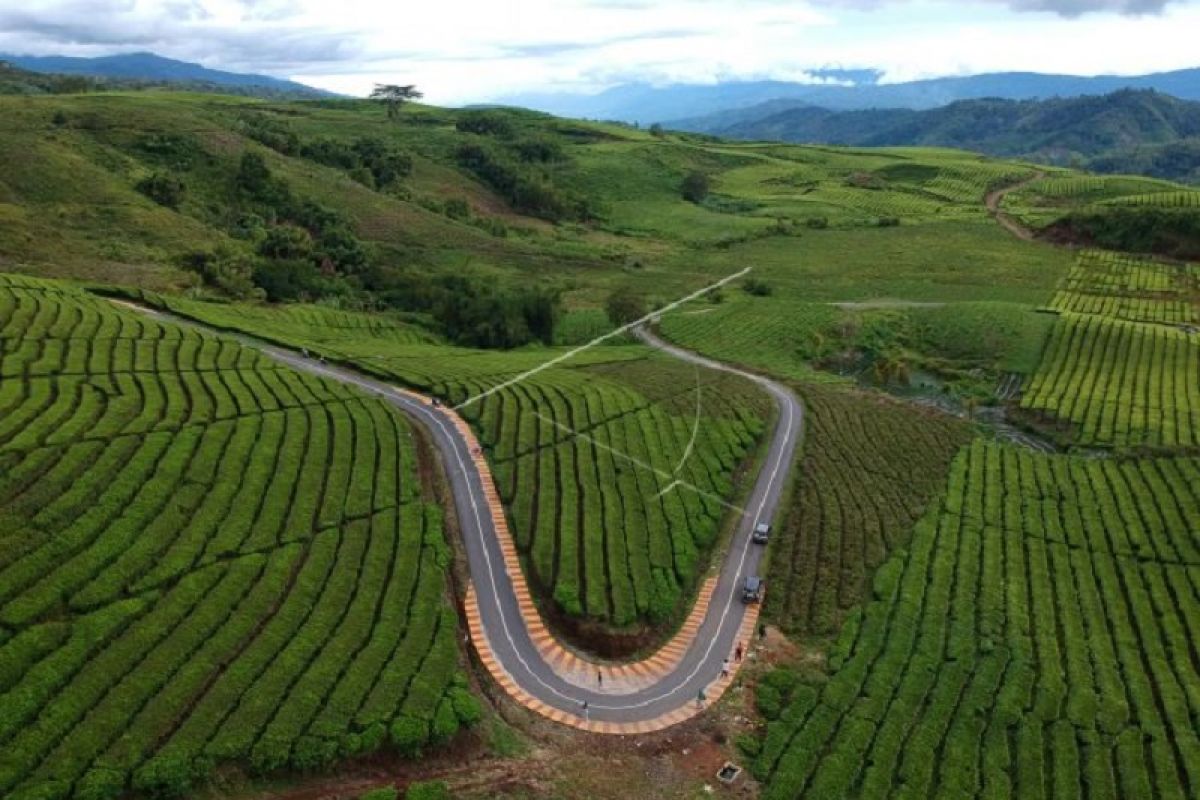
(163, 188)
(14, 80)
(227, 270)
(371, 161)
(468, 309)
(1172, 232)
(526, 187)
(304, 243)
(486, 123)
(1178, 160)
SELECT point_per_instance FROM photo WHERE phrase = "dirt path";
(995, 199)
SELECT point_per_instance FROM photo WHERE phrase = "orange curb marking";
(568, 665)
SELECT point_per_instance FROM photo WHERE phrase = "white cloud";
(476, 49)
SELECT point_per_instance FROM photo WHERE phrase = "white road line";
(458, 443)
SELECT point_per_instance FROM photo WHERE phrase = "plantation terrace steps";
(674, 684)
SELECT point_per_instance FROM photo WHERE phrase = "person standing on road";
(700, 698)
(600, 678)
(737, 653)
(725, 668)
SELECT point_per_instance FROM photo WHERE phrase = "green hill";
(1119, 132)
(216, 570)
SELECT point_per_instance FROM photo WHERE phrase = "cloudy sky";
(468, 50)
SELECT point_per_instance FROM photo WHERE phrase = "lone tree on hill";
(393, 96)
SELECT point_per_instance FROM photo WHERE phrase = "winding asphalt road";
(500, 615)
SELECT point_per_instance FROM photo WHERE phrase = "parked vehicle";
(752, 589)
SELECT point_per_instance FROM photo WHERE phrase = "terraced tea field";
(1033, 641)
(1165, 199)
(1121, 383)
(870, 467)
(206, 559)
(780, 336)
(1129, 288)
(585, 460)
(614, 467)
(1107, 381)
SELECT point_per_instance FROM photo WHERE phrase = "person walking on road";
(700, 698)
(600, 679)
(725, 668)
(737, 653)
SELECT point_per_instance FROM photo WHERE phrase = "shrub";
(288, 280)
(756, 287)
(466, 706)
(695, 187)
(409, 735)
(540, 149)
(456, 208)
(427, 790)
(286, 241)
(445, 722)
(817, 223)
(171, 150)
(272, 133)
(164, 776)
(228, 271)
(100, 784)
(749, 746)
(768, 701)
(528, 191)
(163, 188)
(486, 123)
(624, 306)
(382, 793)
(254, 180)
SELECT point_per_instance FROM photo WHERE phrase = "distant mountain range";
(154, 68)
(1136, 131)
(644, 103)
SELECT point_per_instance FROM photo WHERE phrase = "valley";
(321, 473)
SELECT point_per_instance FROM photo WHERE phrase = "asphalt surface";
(500, 614)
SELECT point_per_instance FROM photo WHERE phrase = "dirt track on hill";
(995, 199)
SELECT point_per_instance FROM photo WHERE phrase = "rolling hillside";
(645, 103)
(154, 69)
(1127, 131)
(231, 565)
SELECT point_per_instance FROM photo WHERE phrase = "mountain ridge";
(644, 103)
(144, 65)
(1112, 133)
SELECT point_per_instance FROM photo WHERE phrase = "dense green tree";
(624, 306)
(286, 241)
